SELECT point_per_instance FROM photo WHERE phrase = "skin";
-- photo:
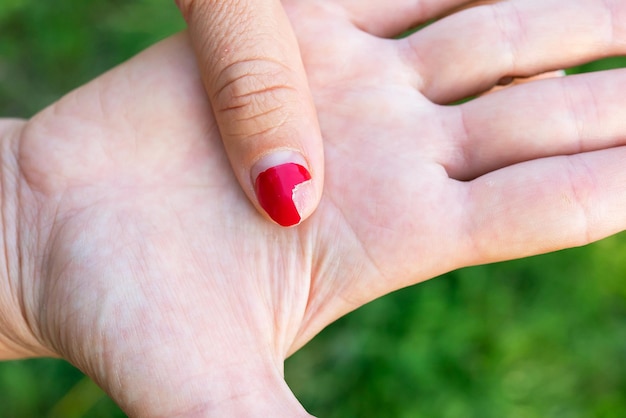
(131, 252)
(250, 64)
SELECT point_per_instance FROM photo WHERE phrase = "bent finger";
(252, 71)
(513, 38)
(384, 18)
(536, 120)
(545, 205)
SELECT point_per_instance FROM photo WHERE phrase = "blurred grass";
(541, 337)
(50, 47)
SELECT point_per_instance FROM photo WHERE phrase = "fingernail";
(283, 193)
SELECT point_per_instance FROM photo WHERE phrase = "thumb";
(253, 74)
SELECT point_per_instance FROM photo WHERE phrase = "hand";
(132, 260)
(253, 74)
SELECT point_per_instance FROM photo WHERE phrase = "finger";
(545, 205)
(253, 74)
(513, 38)
(551, 117)
(8, 124)
(386, 19)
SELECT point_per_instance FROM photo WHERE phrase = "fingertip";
(284, 187)
(257, 86)
(305, 199)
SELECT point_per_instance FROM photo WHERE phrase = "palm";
(148, 242)
(152, 249)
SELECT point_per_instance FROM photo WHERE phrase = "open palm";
(144, 264)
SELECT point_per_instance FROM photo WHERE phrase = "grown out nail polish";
(275, 188)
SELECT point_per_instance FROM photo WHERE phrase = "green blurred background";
(541, 337)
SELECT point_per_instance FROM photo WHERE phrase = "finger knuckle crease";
(254, 96)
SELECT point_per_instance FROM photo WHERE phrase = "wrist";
(17, 327)
(229, 387)
(240, 394)
(264, 394)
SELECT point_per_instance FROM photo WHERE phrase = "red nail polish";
(274, 188)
